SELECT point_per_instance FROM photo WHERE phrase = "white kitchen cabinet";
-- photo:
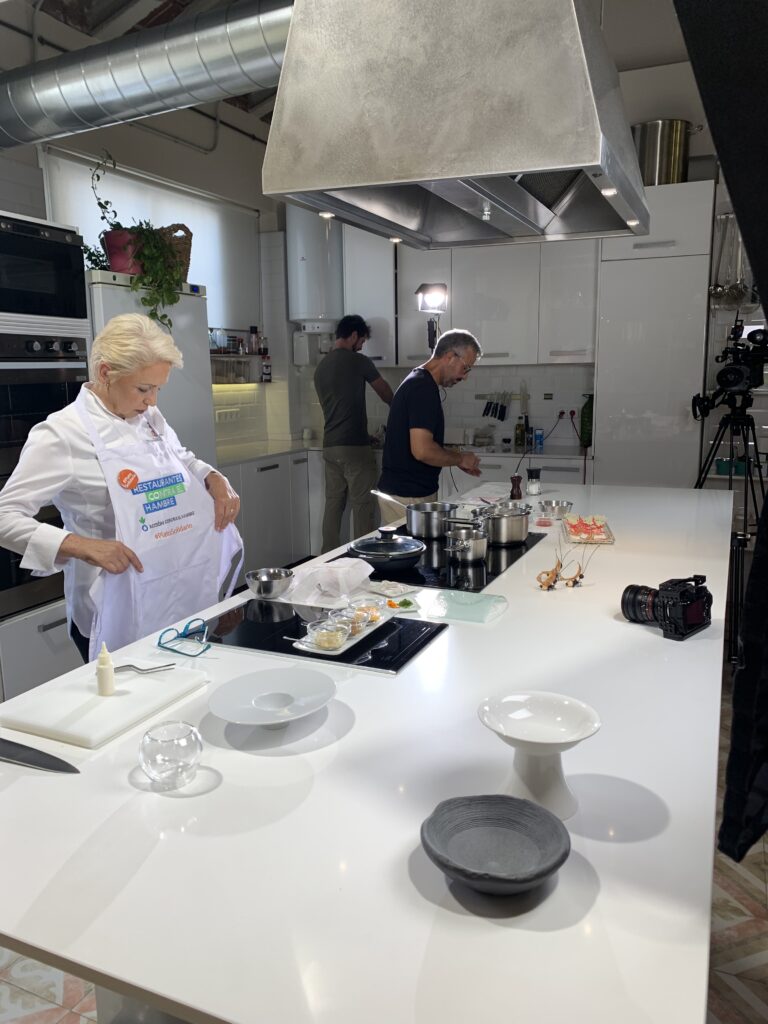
(415, 267)
(299, 462)
(233, 473)
(495, 295)
(681, 224)
(35, 647)
(568, 301)
(369, 290)
(266, 529)
(650, 361)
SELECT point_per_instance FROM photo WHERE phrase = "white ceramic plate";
(388, 588)
(273, 696)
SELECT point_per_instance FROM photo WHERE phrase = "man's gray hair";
(456, 341)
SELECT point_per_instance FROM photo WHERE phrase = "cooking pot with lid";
(388, 551)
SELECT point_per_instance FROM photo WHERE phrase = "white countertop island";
(288, 884)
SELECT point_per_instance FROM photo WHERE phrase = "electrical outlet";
(561, 414)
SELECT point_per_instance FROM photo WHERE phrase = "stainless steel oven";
(39, 374)
(41, 269)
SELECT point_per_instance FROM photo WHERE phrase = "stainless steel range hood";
(444, 122)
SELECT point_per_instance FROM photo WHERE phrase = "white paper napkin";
(329, 585)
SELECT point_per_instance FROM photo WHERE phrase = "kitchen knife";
(30, 757)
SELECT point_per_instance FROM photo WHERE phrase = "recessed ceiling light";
(326, 214)
(633, 222)
(609, 191)
(395, 239)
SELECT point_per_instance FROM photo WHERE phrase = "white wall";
(666, 91)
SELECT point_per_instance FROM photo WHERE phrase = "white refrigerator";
(650, 362)
(187, 400)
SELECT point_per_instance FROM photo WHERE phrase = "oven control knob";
(34, 346)
(69, 346)
(52, 346)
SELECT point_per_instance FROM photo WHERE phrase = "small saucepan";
(466, 545)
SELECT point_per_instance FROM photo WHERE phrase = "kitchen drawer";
(681, 224)
(35, 647)
(565, 472)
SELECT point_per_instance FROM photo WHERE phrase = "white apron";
(166, 516)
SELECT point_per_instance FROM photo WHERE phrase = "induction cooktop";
(272, 627)
(436, 569)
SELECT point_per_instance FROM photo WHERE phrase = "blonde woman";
(148, 533)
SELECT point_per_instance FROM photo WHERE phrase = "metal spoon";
(143, 671)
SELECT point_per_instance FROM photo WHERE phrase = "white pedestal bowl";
(540, 726)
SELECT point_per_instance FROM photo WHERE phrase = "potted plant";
(157, 258)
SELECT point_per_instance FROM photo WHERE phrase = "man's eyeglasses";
(466, 367)
(190, 641)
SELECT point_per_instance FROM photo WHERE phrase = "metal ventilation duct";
(448, 123)
(223, 53)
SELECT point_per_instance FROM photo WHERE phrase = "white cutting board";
(71, 710)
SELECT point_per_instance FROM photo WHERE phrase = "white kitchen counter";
(295, 889)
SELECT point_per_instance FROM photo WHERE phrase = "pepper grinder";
(517, 491)
(534, 480)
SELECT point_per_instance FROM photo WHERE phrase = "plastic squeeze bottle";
(105, 673)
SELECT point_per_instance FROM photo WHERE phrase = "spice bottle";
(534, 480)
(517, 491)
(253, 340)
(519, 434)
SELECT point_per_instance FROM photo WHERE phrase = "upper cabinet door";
(681, 224)
(568, 301)
(416, 267)
(496, 297)
(369, 290)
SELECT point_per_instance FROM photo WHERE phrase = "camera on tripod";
(744, 366)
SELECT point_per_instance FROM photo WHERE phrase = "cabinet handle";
(492, 465)
(568, 351)
(298, 462)
(266, 469)
(563, 469)
(496, 355)
(376, 359)
(52, 625)
(413, 359)
(666, 244)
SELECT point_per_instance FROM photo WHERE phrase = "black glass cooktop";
(436, 569)
(271, 626)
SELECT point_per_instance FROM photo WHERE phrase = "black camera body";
(747, 361)
(681, 607)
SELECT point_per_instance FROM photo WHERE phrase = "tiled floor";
(31, 993)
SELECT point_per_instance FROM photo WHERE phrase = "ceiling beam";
(122, 17)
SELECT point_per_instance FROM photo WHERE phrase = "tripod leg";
(757, 458)
(707, 464)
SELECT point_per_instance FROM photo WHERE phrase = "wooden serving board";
(70, 709)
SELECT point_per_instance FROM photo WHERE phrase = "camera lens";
(638, 604)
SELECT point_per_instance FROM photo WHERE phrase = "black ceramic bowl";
(495, 844)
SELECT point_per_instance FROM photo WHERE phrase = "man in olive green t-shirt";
(350, 466)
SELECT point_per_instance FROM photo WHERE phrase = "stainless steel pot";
(662, 150)
(466, 545)
(424, 519)
(507, 525)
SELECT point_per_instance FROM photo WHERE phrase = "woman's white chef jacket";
(58, 466)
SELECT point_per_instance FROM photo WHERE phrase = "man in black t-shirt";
(350, 465)
(413, 448)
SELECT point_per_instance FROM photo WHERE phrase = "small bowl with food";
(373, 607)
(328, 634)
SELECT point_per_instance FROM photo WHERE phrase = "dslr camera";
(680, 607)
